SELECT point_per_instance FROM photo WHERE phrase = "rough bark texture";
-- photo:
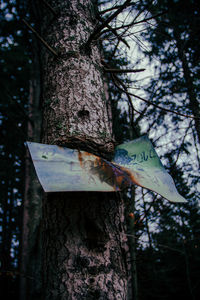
(85, 247)
(84, 236)
(75, 104)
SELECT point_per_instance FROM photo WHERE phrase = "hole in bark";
(73, 20)
(81, 262)
(92, 280)
(85, 49)
(83, 114)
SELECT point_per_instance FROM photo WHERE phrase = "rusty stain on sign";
(135, 162)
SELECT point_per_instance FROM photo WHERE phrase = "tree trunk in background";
(193, 101)
(30, 277)
(132, 239)
(84, 235)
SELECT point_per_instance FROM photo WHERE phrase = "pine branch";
(40, 38)
(114, 50)
(162, 108)
(97, 32)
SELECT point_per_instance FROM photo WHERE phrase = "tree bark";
(193, 101)
(84, 247)
(84, 233)
(75, 104)
(30, 262)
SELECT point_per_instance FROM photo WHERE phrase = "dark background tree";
(13, 123)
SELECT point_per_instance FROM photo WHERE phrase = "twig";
(40, 38)
(183, 140)
(196, 147)
(123, 71)
(138, 22)
(117, 35)
(142, 113)
(132, 109)
(170, 248)
(114, 50)
(130, 104)
(126, 92)
(155, 105)
(50, 8)
(156, 244)
(114, 32)
(112, 8)
(144, 215)
(150, 18)
(97, 32)
(162, 108)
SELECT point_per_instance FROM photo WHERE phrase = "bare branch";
(162, 108)
(155, 105)
(117, 35)
(97, 32)
(112, 8)
(40, 38)
(131, 107)
(196, 147)
(123, 71)
(150, 18)
(138, 22)
(142, 113)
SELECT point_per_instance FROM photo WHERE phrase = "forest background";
(161, 37)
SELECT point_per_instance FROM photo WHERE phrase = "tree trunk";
(84, 235)
(30, 264)
(85, 255)
(193, 101)
(75, 104)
